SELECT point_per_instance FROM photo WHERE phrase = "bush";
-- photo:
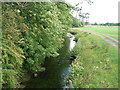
(12, 54)
(31, 32)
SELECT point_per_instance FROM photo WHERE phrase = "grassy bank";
(108, 30)
(96, 65)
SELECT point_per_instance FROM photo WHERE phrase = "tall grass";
(96, 65)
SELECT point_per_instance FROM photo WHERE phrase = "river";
(56, 68)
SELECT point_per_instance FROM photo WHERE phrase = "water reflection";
(56, 68)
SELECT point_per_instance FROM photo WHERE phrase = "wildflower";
(18, 11)
(108, 83)
(100, 62)
(102, 82)
(97, 67)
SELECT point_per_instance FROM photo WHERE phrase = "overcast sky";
(101, 11)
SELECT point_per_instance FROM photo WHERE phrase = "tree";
(31, 32)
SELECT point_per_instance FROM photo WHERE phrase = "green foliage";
(76, 23)
(31, 32)
(50, 26)
(64, 15)
(96, 63)
(109, 24)
(0, 72)
(12, 54)
(10, 78)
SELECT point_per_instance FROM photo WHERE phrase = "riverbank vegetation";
(31, 32)
(96, 63)
(34, 41)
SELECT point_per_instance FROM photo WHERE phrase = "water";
(57, 69)
(72, 42)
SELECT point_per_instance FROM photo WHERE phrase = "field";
(96, 63)
(107, 30)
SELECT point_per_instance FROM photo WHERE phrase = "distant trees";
(107, 24)
(77, 23)
(80, 18)
(110, 24)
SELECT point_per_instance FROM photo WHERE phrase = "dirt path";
(116, 40)
(106, 38)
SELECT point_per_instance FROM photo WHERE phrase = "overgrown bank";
(31, 31)
(36, 30)
(96, 63)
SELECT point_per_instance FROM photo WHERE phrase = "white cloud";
(101, 11)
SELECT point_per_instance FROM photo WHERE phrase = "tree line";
(107, 24)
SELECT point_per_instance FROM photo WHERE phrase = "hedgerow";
(31, 32)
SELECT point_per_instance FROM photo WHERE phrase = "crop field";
(107, 30)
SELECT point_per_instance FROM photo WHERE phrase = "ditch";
(57, 69)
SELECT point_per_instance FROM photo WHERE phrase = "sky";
(101, 11)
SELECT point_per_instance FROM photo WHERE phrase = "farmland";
(108, 30)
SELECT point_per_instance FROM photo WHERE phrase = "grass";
(0, 75)
(96, 65)
(108, 30)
